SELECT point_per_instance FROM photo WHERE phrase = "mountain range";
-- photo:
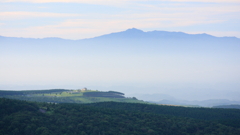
(132, 40)
(185, 66)
(137, 39)
(126, 35)
(137, 33)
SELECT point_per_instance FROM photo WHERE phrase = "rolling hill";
(68, 96)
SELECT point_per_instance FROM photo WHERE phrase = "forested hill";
(230, 117)
(68, 96)
(22, 117)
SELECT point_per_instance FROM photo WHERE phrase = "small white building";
(84, 89)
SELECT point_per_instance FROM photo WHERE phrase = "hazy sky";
(78, 19)
(186, 75)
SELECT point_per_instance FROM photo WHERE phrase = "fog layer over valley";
(183, 66)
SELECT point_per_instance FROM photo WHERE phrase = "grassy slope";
(72, 96)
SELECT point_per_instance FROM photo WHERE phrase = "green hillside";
(68, 96)
(109, 118)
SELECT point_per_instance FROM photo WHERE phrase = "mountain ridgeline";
(131, 34)
(132, 42)
(130, 39)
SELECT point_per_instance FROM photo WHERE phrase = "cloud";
(24, 15)
(143, 16)
(217, 1)
(88, 28)
(98, 2)
(77, 26)
(111, 2)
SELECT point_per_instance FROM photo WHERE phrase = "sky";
(79, 19)
(190, 75)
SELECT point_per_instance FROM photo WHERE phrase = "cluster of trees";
(29, 92)
(52, 99)
(72, 99)
(68, 96)
(22, 117)
(110, 94)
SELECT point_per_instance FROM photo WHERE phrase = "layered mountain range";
(185, 66)
(133, 40)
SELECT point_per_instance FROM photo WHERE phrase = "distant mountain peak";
(133, 30)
